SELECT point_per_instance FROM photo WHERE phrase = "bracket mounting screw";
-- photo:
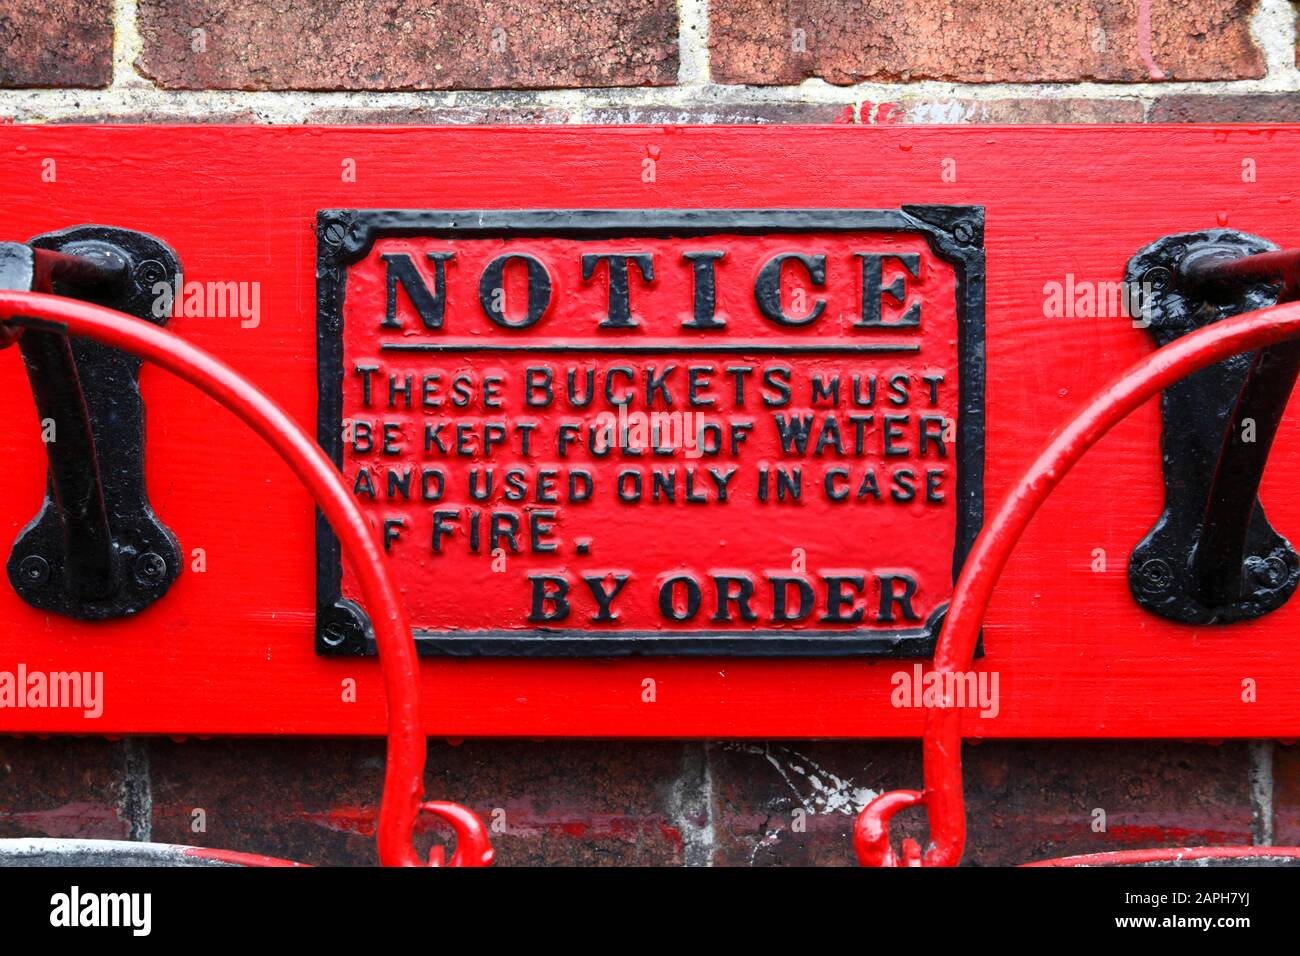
(1156, 575)
(149, 273)
(1158, 278)
(34, 570)
(1271, 572)
(150, 569)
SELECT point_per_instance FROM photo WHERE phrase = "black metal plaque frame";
(345, 236)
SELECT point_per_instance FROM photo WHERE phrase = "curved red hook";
(871, 830)
(472, 845)
(404, 771)
(1144, 380)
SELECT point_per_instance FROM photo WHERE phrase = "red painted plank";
(230, 649)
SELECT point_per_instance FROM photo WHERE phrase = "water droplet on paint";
(1223, 217)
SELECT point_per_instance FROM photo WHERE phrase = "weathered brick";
(56, 43)
(576, 803)
(573, 803)
(1025, 801)
(407, 44)
(585, 802)
(1229, 108)
(1286, 795)
(760, 113)
(793, 803)
(1010, 110)
(310, 801)
(848, 41)
(62, 787)
(1033, 801)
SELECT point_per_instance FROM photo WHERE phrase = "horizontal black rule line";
(702, 349)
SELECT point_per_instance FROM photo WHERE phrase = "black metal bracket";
(1213, 557)
(95, 550)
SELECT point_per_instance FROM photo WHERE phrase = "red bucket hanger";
(942, 797)
(402, 800)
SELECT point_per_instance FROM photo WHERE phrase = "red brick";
(1232, 108)
(645, 803)
(849, 41)
(793, 803)
(1025, 801)
(56, 43)
(62, 788)
(407, 44)
(1286, 795)
(1034, 801)
(571, 803)
(1010, 110)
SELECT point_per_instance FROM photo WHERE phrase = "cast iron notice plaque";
(728, 432)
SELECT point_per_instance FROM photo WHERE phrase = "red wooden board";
(231, 648)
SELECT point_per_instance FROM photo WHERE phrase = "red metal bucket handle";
(942, 797)
(402, 799)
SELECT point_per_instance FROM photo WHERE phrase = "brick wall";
(648, 61)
